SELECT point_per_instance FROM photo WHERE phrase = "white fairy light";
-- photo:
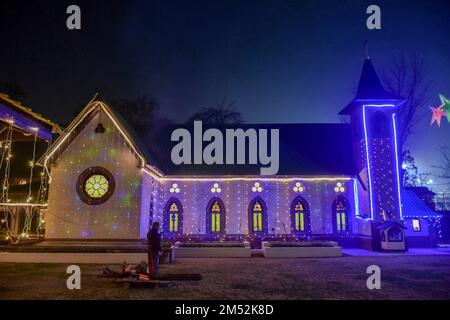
(216, 188)
(298, 187)
(339, 187)
(174, 188)
(257, 187)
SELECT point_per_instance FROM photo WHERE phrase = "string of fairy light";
(6, 156)
(194, 200)
(73, 218)
(14, 235)
(96, 105)
(29, 211)
(42, 193)
(191, 187)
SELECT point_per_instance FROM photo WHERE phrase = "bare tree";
(144, 116)
(138, 112)
(224, 112)
(406, 76)
(141, 113)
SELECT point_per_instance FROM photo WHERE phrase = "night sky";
(279, 61)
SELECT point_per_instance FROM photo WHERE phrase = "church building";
(340, 182)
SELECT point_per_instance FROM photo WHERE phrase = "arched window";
(215, 217)
(95, 185)
(300, 219)
(383, 235)
(341, 211)
(395, 234)
(257, 217)
(173, 218)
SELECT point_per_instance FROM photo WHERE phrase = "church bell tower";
(374, 115)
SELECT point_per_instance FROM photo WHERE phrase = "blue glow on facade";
(368, 162)
(367, 150)
(356, 197)
(396, 166)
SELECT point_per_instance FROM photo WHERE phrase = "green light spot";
(113, 152)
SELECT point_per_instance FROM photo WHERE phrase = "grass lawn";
(402, 277)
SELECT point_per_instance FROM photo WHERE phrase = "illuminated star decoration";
(445, 105)
(437, 114)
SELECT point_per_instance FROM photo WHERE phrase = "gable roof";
(421, 191)
(370, 89)
(95, 105)
(25, 120)
(413, 206)
(304, 149)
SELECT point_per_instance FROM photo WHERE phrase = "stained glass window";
(96, 186)
(299, 217)
(173, 217)
(341, 217)
(257, 217)
(215, 217)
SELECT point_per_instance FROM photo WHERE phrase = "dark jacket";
(154, 240)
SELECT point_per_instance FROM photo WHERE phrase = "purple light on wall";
(367, 150)
(356, 196)
(396, 166)
(237, 196)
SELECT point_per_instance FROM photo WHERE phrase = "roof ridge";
(17, 104)
(82, 116)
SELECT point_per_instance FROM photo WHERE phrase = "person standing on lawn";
(154, 248)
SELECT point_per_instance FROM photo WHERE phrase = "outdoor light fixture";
(174, 189)
(257, 187)
(339, 187)
(298, 187)
(216, 188)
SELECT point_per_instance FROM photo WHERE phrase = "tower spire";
(370, 87)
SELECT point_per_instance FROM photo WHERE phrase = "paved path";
(94, 258)
(410, 252)
(77, 247)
